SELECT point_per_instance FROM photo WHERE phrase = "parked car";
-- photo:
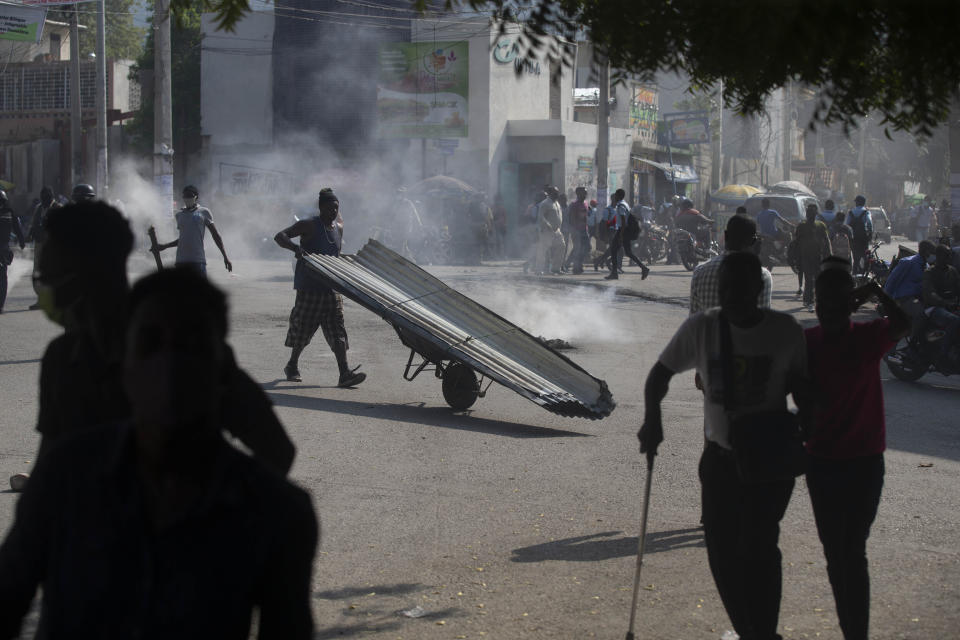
(882, 229)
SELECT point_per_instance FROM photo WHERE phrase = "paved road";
(509, 522)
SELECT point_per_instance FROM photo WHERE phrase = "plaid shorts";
(314, 310)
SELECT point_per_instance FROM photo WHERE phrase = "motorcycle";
(775, 252)
(876, 268)
(652, 245)
(695, 249)
(922, 353)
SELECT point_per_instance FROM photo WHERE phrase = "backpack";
(859, 226)
(840, 243)
(633, 227)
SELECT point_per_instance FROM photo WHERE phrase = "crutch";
(640, 540)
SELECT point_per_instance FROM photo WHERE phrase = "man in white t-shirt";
(192, 223)
(740, 521)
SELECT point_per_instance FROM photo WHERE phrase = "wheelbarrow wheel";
(460, 388)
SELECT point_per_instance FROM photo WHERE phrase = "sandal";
(351, 378)
(292, 374)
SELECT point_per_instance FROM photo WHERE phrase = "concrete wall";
(30, 166)
(237, 87)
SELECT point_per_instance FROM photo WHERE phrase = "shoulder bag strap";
(726, 362)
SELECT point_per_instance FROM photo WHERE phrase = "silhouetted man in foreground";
(81, 375)
(741, 520)
(156, 527)
(846, 444)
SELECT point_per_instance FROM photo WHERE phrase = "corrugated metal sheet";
(455, 327)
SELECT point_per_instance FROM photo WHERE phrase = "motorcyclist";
(689, 219)
(767, 219)
(905, 282)
(941, 294)
(769, 232)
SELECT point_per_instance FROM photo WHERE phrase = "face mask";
(46, 304)
(57, 300)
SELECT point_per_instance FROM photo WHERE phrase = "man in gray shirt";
(192, 222)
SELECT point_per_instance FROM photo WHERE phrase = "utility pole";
(787, 130)
(162, 112)
(102, 177)
(716, 162)
(76, 140)
(863, 144)
(954, 150)
(603, 134)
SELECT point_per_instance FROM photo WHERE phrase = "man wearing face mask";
(192, 223)
(80, 374)
(317, 306)
(8, 224)
(155, 526)
(37, 233)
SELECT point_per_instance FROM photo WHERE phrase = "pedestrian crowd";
(140, 519)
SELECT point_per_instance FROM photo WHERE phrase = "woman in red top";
(846, 443)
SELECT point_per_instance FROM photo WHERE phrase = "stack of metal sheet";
(440, 323)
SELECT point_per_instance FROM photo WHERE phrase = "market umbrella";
(442, 187)
(792, 186)
(734, 195)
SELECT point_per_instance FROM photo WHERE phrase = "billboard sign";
(688, 127)
(20, 23)
(423, 90)
(643, 112)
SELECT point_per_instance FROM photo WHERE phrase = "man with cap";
(192, 223)
(317, 306)
(83, 193)
(38, 233)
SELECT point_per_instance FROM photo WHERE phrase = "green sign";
(423, 90)
(20, 23)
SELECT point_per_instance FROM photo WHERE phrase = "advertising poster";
(23, 24)
(689, 127)
(422, 90)
(643, 112)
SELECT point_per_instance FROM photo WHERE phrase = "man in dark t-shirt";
(317, 306)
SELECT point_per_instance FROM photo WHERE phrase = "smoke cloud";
(582, 315)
